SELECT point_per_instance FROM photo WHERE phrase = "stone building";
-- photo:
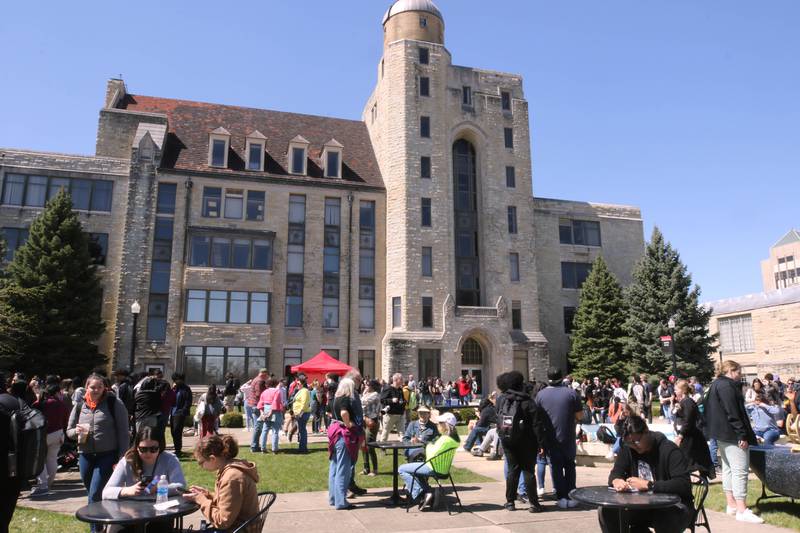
(782, 268)
(407, 241)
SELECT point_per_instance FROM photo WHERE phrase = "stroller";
(68, 456)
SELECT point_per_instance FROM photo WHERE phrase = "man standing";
(563, 408)
(647, 405)
(126, 395)
(183, 404)
(254, 392)
(394, 405)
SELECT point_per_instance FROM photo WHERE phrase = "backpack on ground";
(604, 435)
(27, 442)
(511, 419)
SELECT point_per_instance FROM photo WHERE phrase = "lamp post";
(135, 309)
(671, 326)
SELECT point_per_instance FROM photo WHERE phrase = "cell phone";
(183, 490)
(146, 480)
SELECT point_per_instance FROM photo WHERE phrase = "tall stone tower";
(453, 146)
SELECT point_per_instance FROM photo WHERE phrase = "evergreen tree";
(597, 332)
(51, 298)
(662, 289)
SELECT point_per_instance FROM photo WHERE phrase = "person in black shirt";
(487, 418)
(649, 461)
(9, 487)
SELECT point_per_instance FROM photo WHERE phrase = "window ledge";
(227, 269)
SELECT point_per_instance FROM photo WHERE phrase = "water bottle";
(162, 490)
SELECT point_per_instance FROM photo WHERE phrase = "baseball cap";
(447, 418)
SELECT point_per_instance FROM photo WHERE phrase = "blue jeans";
(770, 436)
(475, 437)
(713, 448)
(339, 475)
(302, 432)
(275, 426)
(258, 427)
(96, 469)
(563, 468)
(248, 417)
(617, 446)
(541, 468)
(419, 481)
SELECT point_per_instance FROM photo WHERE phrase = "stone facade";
(621, 244)
(514, 316)
(782, 268)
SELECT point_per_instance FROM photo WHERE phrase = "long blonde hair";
(727, 366)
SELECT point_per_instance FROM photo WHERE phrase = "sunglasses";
(148, 449)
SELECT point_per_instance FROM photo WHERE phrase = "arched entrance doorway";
(472, 361)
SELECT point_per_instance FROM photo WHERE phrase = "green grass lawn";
(284, 472)
(778, 512)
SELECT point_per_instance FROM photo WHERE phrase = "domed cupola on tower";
(419, 20)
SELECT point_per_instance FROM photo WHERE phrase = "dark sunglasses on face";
(148, 449)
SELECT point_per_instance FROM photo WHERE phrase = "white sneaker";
(571, 503)
(563, 503)
(730, 510)
(540, 491)
(748, 516)
(610, 456)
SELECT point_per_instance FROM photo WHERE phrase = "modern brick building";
(407, 241)
(782, 268)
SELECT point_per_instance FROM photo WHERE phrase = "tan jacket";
(235, 497)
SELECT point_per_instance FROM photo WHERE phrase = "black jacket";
(671, 472)
(726, 417)
(535, 422)
(488, 416)
(388, 394)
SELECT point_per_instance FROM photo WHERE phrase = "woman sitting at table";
(649, 461)
(143, 465)
(417, 484)
(235, 496)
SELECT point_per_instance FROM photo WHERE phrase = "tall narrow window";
(424, 56)
(255, 205)
(427, 261)
(218, 149)
(466, 96)
(569, 319)
(427, 312)
(234, 203)
(426, 212)
(425, 127)
(425, 167)
(467, 269)
(295, 253)
(298, 160)
(255, 156)
(516, 314)
(332, 165)
(511, 177)
(513, 260)
(14, 189)
(505, 100)
(424, 86)
(212, 202)
(397, 317)
(512, 219)
(366, 363)
(81, 191)
(330, 263)
(366, 265)
(36, 193)
(508, 135)
(161, 264)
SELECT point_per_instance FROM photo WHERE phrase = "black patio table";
(395, 446)
(136, 512)
(604, 496)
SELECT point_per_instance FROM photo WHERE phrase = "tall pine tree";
(597, 332)
(51, 298)
(662, 289)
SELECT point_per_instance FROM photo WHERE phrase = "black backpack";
(604, 435)
(27, 442)
(511, 419)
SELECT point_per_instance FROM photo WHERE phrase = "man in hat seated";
(420, 431)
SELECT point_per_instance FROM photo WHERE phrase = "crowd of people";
(119, 431)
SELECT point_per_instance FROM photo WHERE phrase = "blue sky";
(688, 109)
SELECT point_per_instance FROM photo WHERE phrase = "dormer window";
(218, 143)
(332, 159)
(298, 156)
(256, 143)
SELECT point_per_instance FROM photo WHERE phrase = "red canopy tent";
(321, 364)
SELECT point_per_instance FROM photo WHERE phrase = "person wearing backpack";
(99, 422)
(55, 412)
(10, 486)
(521, 432)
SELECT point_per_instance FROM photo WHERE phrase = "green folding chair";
(442, 462)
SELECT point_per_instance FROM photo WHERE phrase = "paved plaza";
(483, 506)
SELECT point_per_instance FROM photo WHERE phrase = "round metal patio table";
(604, 496)
(137, 512)
(395, 446)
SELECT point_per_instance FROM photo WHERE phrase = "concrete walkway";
(483, 507)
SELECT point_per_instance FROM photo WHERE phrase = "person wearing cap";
(420, 431)
(563, 407)
(416, 474)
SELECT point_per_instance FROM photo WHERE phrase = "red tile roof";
(191, 122)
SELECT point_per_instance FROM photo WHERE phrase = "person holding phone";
(143, 465)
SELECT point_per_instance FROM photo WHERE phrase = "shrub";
(232, 420)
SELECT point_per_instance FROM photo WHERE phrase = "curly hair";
(223, 446)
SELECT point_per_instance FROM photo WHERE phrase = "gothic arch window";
(471, 353)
